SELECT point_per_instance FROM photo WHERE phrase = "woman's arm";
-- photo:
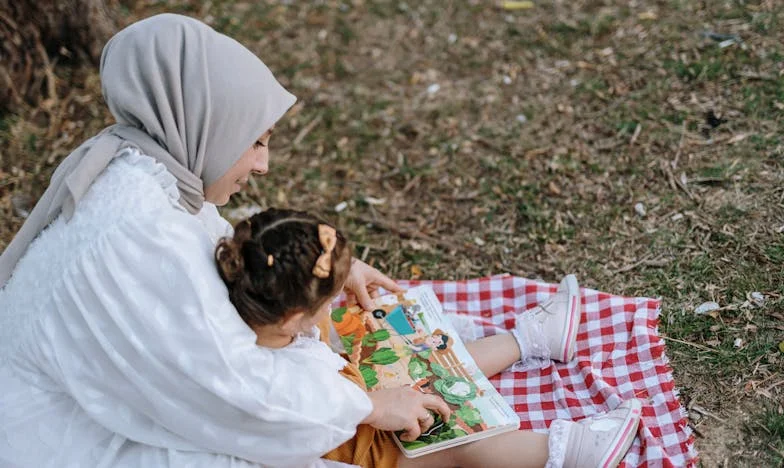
(157, 353)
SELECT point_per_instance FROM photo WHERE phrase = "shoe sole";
(625, 436)
(573, 323)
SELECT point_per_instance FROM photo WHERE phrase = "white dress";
(119, 346)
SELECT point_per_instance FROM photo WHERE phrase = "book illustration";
(407, 341)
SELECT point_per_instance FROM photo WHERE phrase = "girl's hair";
(268, 266)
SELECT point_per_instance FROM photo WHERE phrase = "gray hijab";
(180, 92)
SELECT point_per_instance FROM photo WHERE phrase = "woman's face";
(255, 160)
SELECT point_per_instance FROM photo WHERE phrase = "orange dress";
(370, 447)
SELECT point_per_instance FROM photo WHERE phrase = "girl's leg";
(519, 449)
(495, 353)
(546, 332)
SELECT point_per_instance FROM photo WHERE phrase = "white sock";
(534, 350)
(558, 439)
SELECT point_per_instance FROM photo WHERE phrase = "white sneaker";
(602, 441)
(558, 318)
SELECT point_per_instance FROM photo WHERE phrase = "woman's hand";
(363, 282)
(406, 409)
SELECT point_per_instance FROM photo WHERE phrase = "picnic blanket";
(619, 356)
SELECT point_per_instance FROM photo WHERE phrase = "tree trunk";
(34, 35)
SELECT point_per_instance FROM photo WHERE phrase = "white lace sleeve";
(215, 225)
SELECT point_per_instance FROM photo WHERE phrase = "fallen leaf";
(22, 204)
(737, 138)
(521, 5)
(375, 201)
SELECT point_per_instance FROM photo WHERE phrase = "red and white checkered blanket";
(619, 356)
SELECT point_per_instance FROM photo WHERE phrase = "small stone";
(507, 80)
(757, 298)
(639, 208)
(521, 118)
(433, 88)
(341, 206)
(706, 307)
(452, 38)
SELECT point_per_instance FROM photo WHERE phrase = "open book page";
(407, 340)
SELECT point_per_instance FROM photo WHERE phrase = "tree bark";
(36, 34)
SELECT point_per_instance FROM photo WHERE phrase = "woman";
(119, 344)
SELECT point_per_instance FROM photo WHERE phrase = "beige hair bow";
(328, 238)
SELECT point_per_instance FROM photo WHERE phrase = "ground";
(636, 144)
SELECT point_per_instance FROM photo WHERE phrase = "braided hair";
(268, 266)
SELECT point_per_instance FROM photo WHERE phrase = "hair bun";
(229, 259)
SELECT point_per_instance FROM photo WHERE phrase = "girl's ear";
(292, 324)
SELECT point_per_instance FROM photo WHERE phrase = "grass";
(615, 98)
(768, 427)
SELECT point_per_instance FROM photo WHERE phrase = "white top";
(119, 346)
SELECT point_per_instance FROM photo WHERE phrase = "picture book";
(407, 340)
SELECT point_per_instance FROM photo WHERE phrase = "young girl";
(284, 268)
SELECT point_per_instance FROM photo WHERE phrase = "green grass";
(768, 427)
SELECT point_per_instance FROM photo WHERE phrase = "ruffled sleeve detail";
(308, 347)
(168, 182)
(215, 225)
